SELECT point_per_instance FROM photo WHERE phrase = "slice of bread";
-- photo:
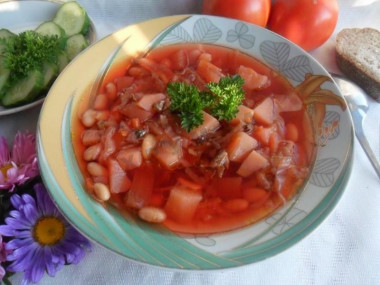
(358, 57)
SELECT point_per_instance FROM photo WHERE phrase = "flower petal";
(24, 234)
(51, 267)
(66, 248)
(2, 272)
(18, 224)
(45, 204)
(73, 236)
(16, 201)
(24, 148)
(21, 264)
(32, 169)
(4, 151)
(15, 214)
(40, 191)
(29, 200)
(31, 213)
(17, 243)
(59, 262)
(79, 256)
(7, 231)
(37, 269)
(13, 173)
(23, 252)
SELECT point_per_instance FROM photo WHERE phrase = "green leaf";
(28, 50)
(229, 96)
(221, 99)
(186, 101)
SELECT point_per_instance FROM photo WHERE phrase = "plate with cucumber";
(37, 40)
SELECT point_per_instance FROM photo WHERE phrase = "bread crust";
(367, 43)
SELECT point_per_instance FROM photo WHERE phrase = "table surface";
(344, 249)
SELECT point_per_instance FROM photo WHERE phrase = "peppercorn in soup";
(201, 138)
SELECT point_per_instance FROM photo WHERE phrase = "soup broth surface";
(220, 176)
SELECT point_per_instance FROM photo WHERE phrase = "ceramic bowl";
(18, 16)
(154, 244)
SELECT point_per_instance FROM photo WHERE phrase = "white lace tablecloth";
(345, 249)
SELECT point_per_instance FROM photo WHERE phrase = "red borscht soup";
(221, 175)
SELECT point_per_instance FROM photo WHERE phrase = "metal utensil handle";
(367, 149)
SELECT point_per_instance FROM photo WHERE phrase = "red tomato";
(252, 11)
(308, 23)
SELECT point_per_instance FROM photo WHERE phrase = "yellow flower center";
(48, 230)
(4, 169)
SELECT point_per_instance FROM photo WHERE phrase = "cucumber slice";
(24, 90)
(4, 33)
(63, 60)
(4, 36)
(72, 18)
(4, 75)
(50, 29)
(50, 72)
(75, 44)
(3, 45)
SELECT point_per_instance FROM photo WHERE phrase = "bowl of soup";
(195, 142)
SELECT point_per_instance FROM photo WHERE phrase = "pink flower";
(20, 165)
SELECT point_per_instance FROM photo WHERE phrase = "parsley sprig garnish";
(228, 95)
(29, 50)
(221, 99)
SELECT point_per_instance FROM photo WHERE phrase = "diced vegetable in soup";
(201, 138)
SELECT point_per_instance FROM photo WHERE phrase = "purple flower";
(42, 239)
(20, 165)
